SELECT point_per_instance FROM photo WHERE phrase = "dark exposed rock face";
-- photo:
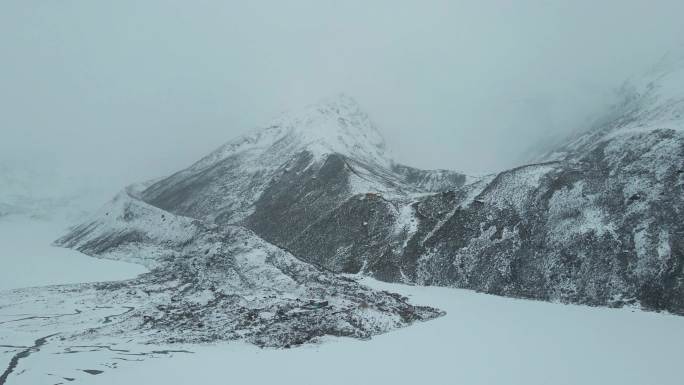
(598, 223)
(299, 197)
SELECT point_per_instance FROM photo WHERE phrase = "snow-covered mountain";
(193, 230)
(595, 224)
(331, 146)
(645, 103)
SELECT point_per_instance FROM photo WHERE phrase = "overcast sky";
(128, 90)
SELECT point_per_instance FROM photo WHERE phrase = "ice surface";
(28, 259)
(482, 340)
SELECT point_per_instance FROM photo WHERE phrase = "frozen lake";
(483, 340)
(28, 259)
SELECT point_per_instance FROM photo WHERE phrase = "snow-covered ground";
(28, 259)
(483, 339)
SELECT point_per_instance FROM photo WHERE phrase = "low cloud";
(125, 91)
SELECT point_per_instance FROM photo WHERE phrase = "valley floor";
(483, 339)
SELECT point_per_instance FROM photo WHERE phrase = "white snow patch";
(664, 250)
(406, 222)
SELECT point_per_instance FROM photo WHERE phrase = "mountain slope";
(596, 224)
(211, 283)
(600, 225)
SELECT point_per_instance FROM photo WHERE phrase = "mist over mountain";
(587, 224)
(341, 192)
(451, 85)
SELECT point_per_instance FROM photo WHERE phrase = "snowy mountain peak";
(336, 125)
(329, 149)
(333, 125)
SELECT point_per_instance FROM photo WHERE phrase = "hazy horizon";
(127, 91)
